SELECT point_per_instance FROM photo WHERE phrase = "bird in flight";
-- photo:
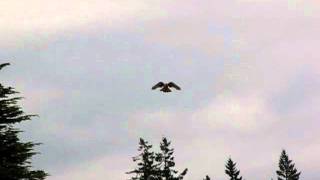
(165, 87)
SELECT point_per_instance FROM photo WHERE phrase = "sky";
(249, 72)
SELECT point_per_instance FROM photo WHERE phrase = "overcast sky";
(249, 72)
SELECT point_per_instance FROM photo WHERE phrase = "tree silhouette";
(14, 155)
(155, 166)
(166, 162)
(147, 168)
(207, 178)
(232, 171)
(287, 171)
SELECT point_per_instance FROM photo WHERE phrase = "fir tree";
(207, 178)
(166, 161)
(14, 155)
(287, 171)
(147, 168)
(232, 171)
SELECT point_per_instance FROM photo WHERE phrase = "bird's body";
(165, 87)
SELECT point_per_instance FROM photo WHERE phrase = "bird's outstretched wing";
(171, 84)
(3, 65)
(159, 84)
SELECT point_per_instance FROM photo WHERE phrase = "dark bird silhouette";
(165, 87)
(3, 65)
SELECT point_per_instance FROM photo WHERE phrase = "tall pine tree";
(14, 155)
(232, 171)
(147, 168)
(166, 161)
(287, 171)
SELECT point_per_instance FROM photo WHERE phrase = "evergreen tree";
(14, 155)
(287, 171)
(232, 171)
(207, 178)
(166, 162)
(147, 168)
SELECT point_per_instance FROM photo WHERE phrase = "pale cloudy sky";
(249, 70)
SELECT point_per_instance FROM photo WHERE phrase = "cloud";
(245, 113)
(237, 29)
(108, 167)
(39, 21)
(37, 98)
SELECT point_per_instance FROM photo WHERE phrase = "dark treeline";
(14, 155)
(152, 165)
(155, 166)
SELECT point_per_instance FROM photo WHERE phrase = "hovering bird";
(165, 87)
